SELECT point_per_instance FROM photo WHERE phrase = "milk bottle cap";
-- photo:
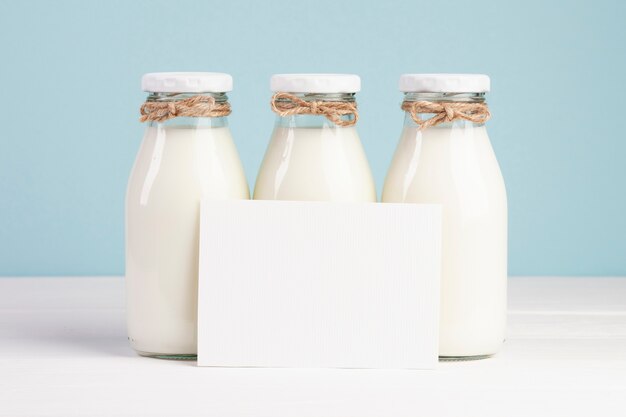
(187, 82)
(316, 83)
(444, 83)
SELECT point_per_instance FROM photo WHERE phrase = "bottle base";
(168, 356)
(464, 358)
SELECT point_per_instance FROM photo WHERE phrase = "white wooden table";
(63, 352)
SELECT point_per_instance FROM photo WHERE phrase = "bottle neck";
(317, 120)
(438, 98)
(452, 97)
(188, 122)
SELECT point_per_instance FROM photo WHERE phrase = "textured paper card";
(307, 284)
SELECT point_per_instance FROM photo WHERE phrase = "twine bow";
(286, 104)
(196, 106)
(446, 112)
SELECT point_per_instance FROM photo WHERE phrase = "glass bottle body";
(311, 158)
(453, 164)
(181, 161)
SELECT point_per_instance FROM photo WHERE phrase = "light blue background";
(70, 73)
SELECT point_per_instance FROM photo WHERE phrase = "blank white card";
(308, 284)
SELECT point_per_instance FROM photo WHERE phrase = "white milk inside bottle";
(315, 152)
(449, 161)
(187, 154)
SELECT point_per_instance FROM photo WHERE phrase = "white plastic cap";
(444, 83)
(315, 83)
(187, 82)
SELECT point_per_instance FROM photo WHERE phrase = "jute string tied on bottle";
(196, 106)
(287, 104)
(446, 111)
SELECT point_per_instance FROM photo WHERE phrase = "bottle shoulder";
(444, 164)
(187, 164)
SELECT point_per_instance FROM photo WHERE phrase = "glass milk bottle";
(315, 152)
(445, 157)
(187, 154)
